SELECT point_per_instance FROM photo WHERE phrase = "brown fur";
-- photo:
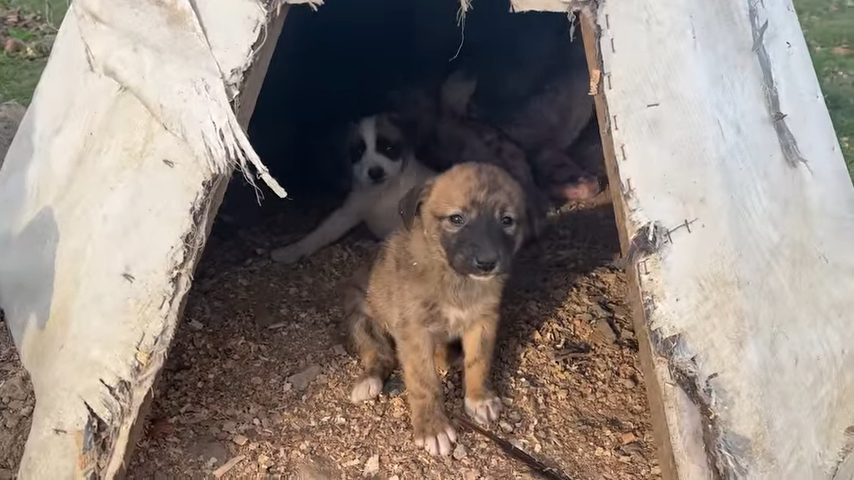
(417, 297)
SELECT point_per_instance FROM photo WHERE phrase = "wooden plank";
(737, 212)
(660, 429)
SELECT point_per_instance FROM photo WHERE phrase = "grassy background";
(829, 29)
(828, 26)
(32, 31)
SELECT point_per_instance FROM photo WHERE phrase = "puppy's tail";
(365, 337)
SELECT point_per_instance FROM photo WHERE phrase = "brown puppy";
(436, 279)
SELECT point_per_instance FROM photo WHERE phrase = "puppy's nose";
(485, 264)
(376, 173)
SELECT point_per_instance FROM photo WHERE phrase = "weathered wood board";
(107, 196)
(736, 214)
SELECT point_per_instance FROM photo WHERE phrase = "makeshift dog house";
(733, 203)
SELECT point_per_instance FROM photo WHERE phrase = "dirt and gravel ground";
(258, 383)
(16, 405)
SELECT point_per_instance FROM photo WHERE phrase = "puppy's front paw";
(366, 388)
(483, 410)
(435, 434)
(287, 255)
(584, 189)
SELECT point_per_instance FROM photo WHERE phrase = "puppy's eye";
(507, 221)
(456, 219)
(356, 151)
(390, 149)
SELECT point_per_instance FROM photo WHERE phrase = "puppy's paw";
(436, 435)
(287, 255)
(585, 188)
(366, 388)
(484, 410)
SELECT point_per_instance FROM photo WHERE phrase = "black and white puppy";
(384, 170)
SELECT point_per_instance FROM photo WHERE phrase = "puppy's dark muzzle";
(376, 174)
(485, 266)
(481, 249)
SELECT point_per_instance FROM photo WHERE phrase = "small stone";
(607, 333)
(470, 474)
(505, 426)
(628, 383)
(301, 380)
(627, 438)
(240, 440)
(206, 448)
(372, 466)
(460, 452)
(394, 477)
(257, 380)
(394, 386)
(13, 388)
(12, 45)
(514, 416)
(12, 422)
(230, 427)
(196, 325)
(339, 350)
(263, 460)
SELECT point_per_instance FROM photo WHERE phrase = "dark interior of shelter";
(340, 63)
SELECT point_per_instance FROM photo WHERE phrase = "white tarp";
(105, 198)
(735, 193)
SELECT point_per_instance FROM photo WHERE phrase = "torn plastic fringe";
(725, 451)
(202, 116)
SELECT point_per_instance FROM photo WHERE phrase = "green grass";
(829, 29)
(828, 26)
(20, 71)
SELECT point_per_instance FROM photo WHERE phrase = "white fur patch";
(366, 389)
(287, 255)
(371, 158)
(439, 444)
(485, 410)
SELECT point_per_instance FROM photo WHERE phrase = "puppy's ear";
(410, 204)
(395, 118)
